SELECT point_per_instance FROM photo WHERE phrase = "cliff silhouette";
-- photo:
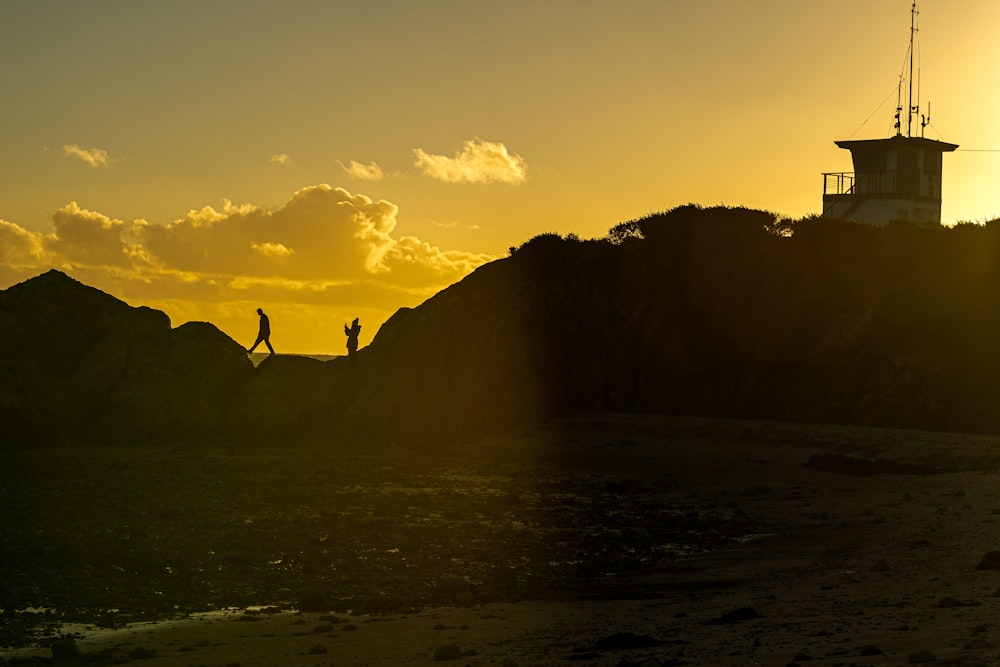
(724, 312)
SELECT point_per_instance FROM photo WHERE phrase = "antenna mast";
(913, 31)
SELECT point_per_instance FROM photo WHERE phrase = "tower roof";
(898, 141)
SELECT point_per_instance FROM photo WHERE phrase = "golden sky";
(328, 160)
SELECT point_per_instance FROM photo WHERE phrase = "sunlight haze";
(333, 160)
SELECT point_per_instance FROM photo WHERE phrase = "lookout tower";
(897, 178)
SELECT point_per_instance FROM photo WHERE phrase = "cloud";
(272, 249)
(95, 157)
(20, 248)
(478, 162)
(362, 172)
(85, 237)
(325, 252)
(284, 159)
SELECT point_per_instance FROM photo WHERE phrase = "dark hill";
(714, 312)
(77, 363)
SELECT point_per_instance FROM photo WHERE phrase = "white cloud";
(269, 249)
(478, 162)
(95, 157)
(362, 172)
(20, 248)
(284, 159)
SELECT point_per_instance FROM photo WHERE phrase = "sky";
(327, 160)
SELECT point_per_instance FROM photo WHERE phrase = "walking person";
(352, 333)
(263, 334)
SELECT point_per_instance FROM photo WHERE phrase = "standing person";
(264, 334)
(352, 339)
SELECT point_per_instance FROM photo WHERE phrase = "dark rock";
(736, 616)
(76, 362)
(314, 600)
(990, 561)
(870, 649)
(920, 657)
(977, 643)
(861, 467)
(318, 649)
(141, 653)
(881, 565)
(949, 602)
(64, 649)
(626, 640)
(448, 652)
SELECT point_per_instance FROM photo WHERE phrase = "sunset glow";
(333, 160)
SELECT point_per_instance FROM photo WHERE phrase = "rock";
(64, 649)
(977, 643)
(141, 653)
(870, 649)
(950, 602)
(920, 657)
(448, 652)
(626, 640)
(736, 616)
(505, 579)
(318, 649)
(451, 589)
(78, 363)
(314, 600)
(881, 565)
(861, 467)
(989, 561)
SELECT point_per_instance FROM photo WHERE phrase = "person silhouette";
(352, 339)
(264, 334)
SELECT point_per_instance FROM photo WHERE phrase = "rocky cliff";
(76, 363)
(716, 312)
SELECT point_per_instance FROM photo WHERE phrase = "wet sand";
(876, 569)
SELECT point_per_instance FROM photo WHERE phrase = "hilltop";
(721, 312)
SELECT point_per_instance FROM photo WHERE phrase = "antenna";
(912, 110)
(898, 124)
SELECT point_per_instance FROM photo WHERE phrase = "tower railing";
(838, 183)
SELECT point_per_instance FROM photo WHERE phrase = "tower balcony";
(838, 183)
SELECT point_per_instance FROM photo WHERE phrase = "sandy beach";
(867, 568)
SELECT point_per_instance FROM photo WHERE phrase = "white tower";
(898, 178)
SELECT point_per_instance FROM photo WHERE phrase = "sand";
(849, 570)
